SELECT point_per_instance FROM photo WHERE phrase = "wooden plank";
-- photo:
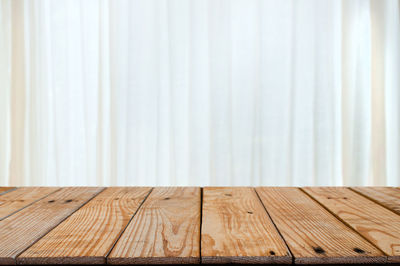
(374, 222)
(21, 230)
(4, 190)
(22, 197)
(386, 196)
(237, 229)
(315, 236)
(88, 235)
(166, 230)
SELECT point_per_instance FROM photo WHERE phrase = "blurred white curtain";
(218, 92)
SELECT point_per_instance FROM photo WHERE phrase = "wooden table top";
(176, 225)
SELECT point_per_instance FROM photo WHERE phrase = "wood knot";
(228, 194)
(319, 250)
(358, 250)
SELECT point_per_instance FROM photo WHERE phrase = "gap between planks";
(201, 220)
(4, 190)
(151, 190)
(269, 215)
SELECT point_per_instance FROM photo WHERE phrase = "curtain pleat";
(217, 92)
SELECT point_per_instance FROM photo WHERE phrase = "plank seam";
(344, 222)
(1, 219)
(201, 223)
(65, 218)
(284, 240)
(5, 192)
(126, 226)
(373, 200)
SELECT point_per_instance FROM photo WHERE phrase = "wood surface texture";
(20, 230)
(374, 222)
(4, 190)
(192, 225)
(386, 196)
(312, 233)
(166, 230)
(88, 235)
(236, 229)
(18, 199)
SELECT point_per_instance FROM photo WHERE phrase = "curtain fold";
(217, 92)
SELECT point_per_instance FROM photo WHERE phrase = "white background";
(199, 92)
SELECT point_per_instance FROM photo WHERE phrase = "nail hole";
(116, 199)
(229, 195)
(328, 197)
(167, 198)
(358, 250)
(318, 250)
(68, 201)
(344, 198)
(272, 253)
(250, 212)
(50, 201)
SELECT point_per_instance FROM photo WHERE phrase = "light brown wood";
(4, 190)
(166, 230)
(315, 236)
(237, 229)
(21, 230)
(386, 196)
(84, 225)
(20, 198)
(88, 235)
(374, 222)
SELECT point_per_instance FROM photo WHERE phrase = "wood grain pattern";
(374, 222)
(4, 190)
(166, 230)
(95, 226)
(315, 236)
(20, 198)
(237, 229)
(88, 235)
(21, 230)
(386, 196)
